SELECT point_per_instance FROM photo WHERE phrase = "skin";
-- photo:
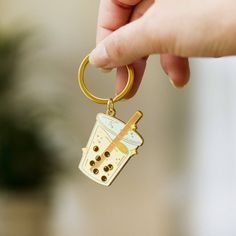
(128, 31)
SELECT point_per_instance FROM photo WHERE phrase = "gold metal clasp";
(110, 108)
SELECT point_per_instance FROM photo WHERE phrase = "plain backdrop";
(183, 180)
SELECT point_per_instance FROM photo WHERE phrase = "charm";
(110, 146)
(112, 142)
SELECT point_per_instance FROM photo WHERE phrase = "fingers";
(177, 69)
(122, 77)
(130, 43)
(112, 15)
(139, 65)
(124, 46)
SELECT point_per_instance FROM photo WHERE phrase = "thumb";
(125, 45)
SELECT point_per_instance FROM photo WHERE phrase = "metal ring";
(103, 100)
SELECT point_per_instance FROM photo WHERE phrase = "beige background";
(150, 196)
(138, 201)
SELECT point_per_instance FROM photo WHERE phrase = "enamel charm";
(110, 146)
(112, 142)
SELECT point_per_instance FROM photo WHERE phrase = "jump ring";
(98, 100)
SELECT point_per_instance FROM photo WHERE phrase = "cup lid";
(114, 126)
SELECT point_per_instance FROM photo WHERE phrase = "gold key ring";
(103, 100)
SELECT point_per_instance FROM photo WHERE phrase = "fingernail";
(98, 57)
(171, 82)
(105, 70)
(174, 85)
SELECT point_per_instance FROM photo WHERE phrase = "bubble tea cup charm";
(112, 142)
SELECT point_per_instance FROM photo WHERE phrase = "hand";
(131, 30)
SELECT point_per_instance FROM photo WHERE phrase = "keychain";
(112, 142)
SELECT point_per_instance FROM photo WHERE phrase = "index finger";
(112, 15)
